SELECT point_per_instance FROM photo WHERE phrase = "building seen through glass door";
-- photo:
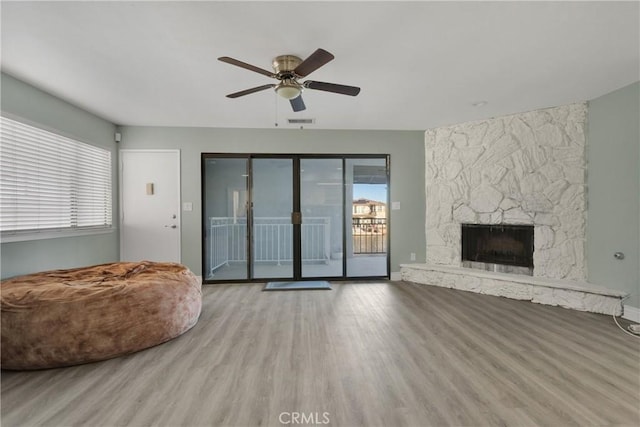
(366, 185)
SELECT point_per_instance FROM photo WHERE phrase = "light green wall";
(20, 100)
(613, 191)
(407, 171)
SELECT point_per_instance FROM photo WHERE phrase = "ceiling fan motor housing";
(284, 65)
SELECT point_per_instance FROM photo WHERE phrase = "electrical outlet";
(413, 256)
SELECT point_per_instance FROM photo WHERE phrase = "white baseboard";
(631, 313)
(395, 275)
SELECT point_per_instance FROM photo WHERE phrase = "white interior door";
(150, 205)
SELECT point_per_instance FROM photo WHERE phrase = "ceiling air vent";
(301, 121)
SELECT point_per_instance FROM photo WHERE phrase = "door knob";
(172, 226)
(296, 217)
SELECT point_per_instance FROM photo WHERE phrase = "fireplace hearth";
(500, 247)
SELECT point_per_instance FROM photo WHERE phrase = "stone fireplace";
(524, 169)
(525, 172)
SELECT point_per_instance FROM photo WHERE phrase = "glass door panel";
(272, 232)
(321, 205)
(366, 215)
(340, 230)
(225, 218)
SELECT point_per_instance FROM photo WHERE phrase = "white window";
(50, 184)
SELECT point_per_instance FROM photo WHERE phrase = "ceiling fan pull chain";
(275, 100)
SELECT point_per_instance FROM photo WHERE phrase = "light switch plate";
(187, 206)
(395, 206)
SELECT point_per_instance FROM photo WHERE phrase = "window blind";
(49, 182)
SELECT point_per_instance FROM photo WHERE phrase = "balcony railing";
(273, 239)
(369, 235)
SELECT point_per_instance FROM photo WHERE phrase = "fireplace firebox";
(500, 247)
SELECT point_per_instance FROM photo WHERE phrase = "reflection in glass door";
(272, 246)
(321, 200)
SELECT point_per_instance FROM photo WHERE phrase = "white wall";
(407, 169)
(21, 100)
(613, 180)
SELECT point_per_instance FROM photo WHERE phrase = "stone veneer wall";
(524, 168)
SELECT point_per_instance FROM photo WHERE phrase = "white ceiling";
(419, 64)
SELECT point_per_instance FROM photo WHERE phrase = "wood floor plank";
(363, 354)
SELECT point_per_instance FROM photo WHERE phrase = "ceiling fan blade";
(316, 60)
(297, 104)
(246, 66)
(249, 91)
(332, 87)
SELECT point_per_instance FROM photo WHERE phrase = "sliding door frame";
(297, 241)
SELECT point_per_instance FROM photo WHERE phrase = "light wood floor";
(387, 354)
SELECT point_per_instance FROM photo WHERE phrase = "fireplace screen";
(498, 244)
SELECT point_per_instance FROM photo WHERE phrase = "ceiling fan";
(288, 69)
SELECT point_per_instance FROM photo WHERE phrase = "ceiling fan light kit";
(288, 69)
(289, 89)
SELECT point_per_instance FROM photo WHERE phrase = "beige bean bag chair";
(67, 317)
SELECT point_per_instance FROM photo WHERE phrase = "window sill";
(53, 234)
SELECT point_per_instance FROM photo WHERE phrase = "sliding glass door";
(366, 185)
(294, 217)
(272, 230)
(225, 208)
(321, 206)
